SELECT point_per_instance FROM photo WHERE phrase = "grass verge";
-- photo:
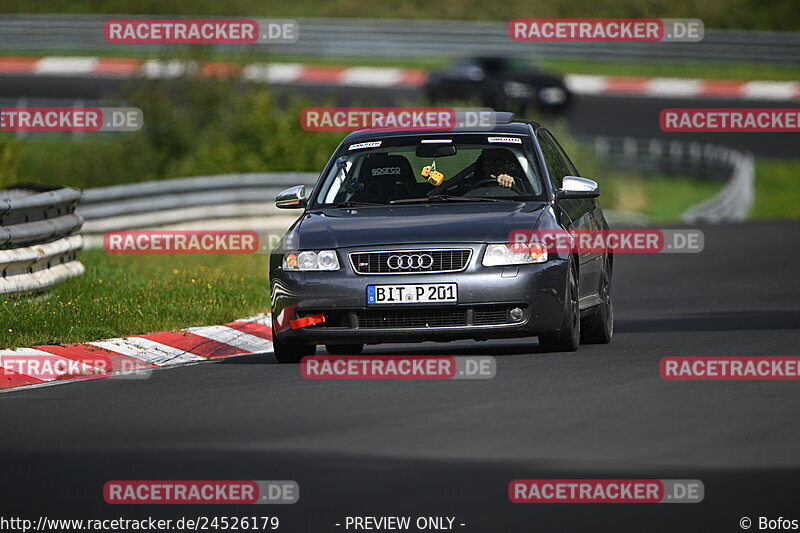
(662, 198)
(777, 193)
(123, 295)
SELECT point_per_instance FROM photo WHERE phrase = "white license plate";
(412, 294)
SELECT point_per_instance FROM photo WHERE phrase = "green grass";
(669, 197)
(662, 198)
(777, 191)
(777, 196)
(745, 14)
(122, 295)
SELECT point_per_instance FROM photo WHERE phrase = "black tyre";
(598, 328)
(293, 352)
(567, 337)
(344, 349)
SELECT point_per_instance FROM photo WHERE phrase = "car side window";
(556, 166)
(571, 170)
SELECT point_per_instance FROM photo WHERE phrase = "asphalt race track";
(620, 115)
(451, 447)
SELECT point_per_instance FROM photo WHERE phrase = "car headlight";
(501, 254)
(311, 261)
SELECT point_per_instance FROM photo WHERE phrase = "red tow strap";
(298, 323)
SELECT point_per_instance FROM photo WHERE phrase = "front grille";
(411, 319)
(410, 261)
(481, 315)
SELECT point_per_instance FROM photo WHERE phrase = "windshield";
(489, 168)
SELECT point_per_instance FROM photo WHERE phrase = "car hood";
(459, 222)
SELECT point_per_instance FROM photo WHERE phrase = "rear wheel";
(566, 338)
(598, 328)
(344, 349)
(291, 352)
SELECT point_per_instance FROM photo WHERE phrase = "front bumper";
(485, 294)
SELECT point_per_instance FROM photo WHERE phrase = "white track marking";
(167, 69)
(55, 65)
(390, 77)
(586, 84)
(42, 365)
(147, 350)
(273, 72)
(239, 339)
(673, 87)
(770, 90)
(372, 76)
(264, 319)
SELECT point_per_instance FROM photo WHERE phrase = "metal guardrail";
(734, 201)
(692, 159)
(38, 240)
(158, 203)
(414, 38)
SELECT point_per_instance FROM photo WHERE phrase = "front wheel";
(598, 328)
(291, 352)
(567, 337)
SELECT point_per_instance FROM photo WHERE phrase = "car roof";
(504, 123)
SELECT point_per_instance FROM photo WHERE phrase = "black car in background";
(498, 83)
(382, 254)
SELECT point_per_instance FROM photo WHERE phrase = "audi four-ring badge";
(405, 238)
(411, 261)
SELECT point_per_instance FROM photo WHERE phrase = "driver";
(498, 164)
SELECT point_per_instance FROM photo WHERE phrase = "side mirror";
(292, 198)
(575, 188)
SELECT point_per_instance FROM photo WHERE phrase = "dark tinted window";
(392, 171)
(556, 166)
(571, 170)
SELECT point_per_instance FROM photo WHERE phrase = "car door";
(576, 214)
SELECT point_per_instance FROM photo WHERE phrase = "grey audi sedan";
(405, 238)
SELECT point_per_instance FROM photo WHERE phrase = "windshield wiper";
(351, 204)
(443, 198)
